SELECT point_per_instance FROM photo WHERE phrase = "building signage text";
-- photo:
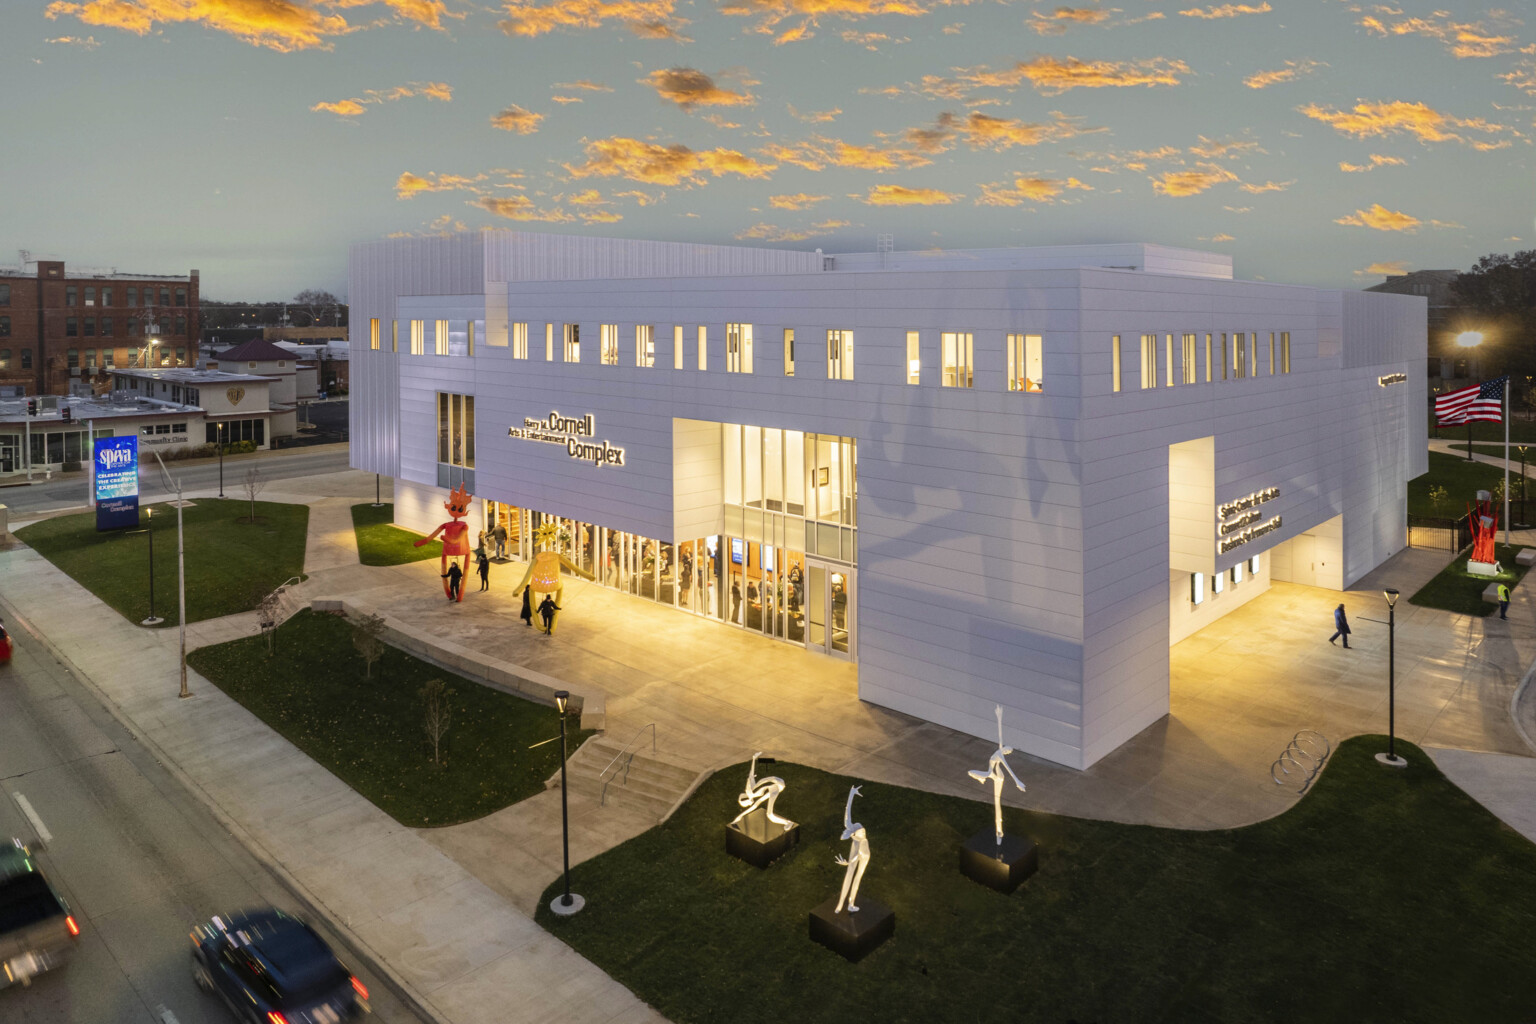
(117, 482)
(568, 431)
(1241, 521)
(1392, 378)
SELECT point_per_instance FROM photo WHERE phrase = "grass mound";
(381, 542)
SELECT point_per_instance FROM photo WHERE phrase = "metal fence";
(1440, 533)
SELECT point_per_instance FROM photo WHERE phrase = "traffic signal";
(66, 415)
(31, 407)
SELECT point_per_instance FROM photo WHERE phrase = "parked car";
(6, 646)
(271, 968)
(37, 931)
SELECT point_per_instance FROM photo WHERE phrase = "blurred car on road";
(37, 931)
(271, 968)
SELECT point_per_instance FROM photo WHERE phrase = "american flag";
(1477, 403)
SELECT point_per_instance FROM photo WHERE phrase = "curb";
(1514, 707)
(401, 989)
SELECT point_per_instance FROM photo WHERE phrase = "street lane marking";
(37, 823)
(167, 1017)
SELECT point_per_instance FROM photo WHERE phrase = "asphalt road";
(137, 857)
(68, 491)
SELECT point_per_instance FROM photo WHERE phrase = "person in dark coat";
(527, 613)
(1343, 626)
(483, 564)
(547, 609)
(455, 578)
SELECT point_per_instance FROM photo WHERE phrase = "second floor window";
(71, 327)
(1026, 363)
(373, 333)
(839, 355)
(440, 337)
(418, 337)
(133, 296)
(90, 327)
(90, 296)
(456, 429)
(573, 343)
(5, 327)
(738, 348)
(957, 354)
(1148, 361)
(5, 295)
(608, 344)
(70, 295)
(789, 351)
(519, 332)
(645, 345)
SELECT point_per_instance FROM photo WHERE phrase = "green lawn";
(1384, 896)
(380, 542)
(1456, 590)
(1461, 480)
(370, 734)
(229, 562)
(1521, 431)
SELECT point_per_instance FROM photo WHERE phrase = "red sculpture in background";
(455, 537)
(1485, 525)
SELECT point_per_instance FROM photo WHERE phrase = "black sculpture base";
(854, 935)
(1004, 867)
(759, 841)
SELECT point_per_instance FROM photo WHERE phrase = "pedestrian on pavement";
(547, 609)
(1342, 625)
(455, 578)
(500, 533)
(736, 599)
(527, 613)
(483, 564)
(1503, 600)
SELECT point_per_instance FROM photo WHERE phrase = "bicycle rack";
(1301, 760)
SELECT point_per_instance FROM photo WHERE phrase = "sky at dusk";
(1316, 141)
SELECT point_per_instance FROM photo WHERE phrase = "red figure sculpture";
(455, 536)
(1485, 526)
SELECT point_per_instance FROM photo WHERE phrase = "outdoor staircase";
(639, 780)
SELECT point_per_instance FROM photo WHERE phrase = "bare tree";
(436, 715)
(367, 637)
(318, 305)
(253, 485)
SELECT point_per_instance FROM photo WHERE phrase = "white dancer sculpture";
(761, 792)
(857, 859)
(994, 775)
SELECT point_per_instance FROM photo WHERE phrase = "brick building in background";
(59, 329)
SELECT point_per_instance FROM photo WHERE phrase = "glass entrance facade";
(785, 565)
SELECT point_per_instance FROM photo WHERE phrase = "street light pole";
(181, 571)
(153, 620)
(378, 501)
(1522, 485)
(220, 436)
(1390, 758)
(569, 903)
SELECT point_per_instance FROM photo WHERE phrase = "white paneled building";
(1009, 476)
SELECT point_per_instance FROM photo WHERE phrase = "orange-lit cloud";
(1054, 75)
(1223, 237)
(1462, 39)
(1387, 268)
(653, 164)
(983, 131)
(1027, 190)
(517, 119)
(1227, 11)
(86, 43)
(900, 195)
(585, 85)
(1293, 70)
(819, 151)
(791, 20)
(690, 87)
(280, 25)
(1268, 186)
(1522, 78)
(1191, 182)
(1218, 150)
(648, 19)
(521, 208)
(770, 233)
(1376, 160)
(1062, 18)
(1381, 219)
(429, 13)
(797, 201)
(954, 29)
(357, 105)
(815, 116)
(566, 99)
(1380, 120)
(409, 185)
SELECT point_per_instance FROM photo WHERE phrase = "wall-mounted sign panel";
(569, 432)
(117, 482)
(1240, 521)
(1392, 378)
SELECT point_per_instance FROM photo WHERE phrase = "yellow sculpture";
(543, 575)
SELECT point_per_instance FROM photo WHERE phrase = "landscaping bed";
(381, 542)
(230, 561)
(1454, 589)
(371, 733)
(1460, 479)
(1383, 896)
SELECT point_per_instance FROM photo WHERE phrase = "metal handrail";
(603, 797)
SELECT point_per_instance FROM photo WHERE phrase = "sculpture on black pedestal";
(761, 793)
(994, 775)
(857, 859)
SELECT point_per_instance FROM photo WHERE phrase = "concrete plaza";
(447, 912)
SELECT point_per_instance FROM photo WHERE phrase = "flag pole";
(1506, 462)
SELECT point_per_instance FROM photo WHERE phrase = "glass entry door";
(829, 609)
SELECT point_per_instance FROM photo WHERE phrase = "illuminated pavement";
(448, 909)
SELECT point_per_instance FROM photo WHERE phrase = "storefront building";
(1006, 476)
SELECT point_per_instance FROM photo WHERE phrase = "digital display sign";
(117, 482)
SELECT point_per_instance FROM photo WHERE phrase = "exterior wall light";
(1197, 587)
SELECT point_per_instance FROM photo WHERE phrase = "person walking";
(483, 564)
(1503, 600)
(527, 613)
(736, 599)
(547, 609)
(1342, 626)
(455, 578)
(500, 533)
